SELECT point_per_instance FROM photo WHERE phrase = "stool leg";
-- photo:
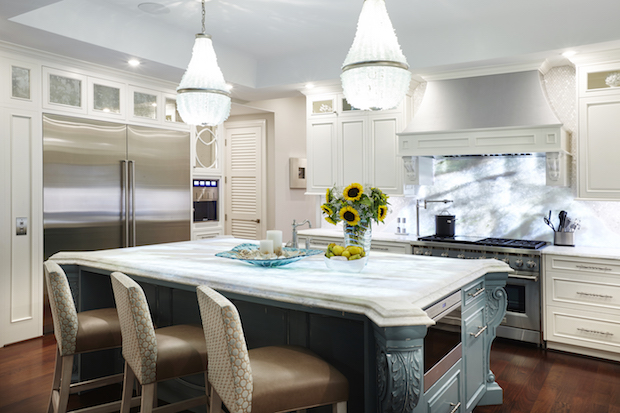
(127, 389)
(340, 407)
(148, 392)
(216, 402)
(65, 383)
(55, 380)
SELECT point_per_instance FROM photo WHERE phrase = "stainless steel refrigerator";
(110, 185)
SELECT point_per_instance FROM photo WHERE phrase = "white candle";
(266, 246)
(276, 237)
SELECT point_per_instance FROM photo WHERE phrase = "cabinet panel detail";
(585, 329)
(587, 293)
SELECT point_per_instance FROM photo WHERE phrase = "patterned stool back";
(139, 342)
(64, 314)
(229, 365)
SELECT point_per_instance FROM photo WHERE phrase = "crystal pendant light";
(203, 98)
(375, 72)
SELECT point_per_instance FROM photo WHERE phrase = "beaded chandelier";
(375, 72)
(203, 97)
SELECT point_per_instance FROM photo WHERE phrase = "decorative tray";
(250, 253)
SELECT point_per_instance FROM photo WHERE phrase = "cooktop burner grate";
(491, 242)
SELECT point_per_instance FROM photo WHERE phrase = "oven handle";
(523, 277)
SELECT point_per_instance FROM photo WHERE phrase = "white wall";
(289, 141)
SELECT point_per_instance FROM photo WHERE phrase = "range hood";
(486, 115)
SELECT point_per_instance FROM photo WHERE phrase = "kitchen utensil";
(562, 215)
(549, 223)
(445, 224)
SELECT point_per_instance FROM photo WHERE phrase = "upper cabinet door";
(106, 98)
(599, 147)
(145, 105)
(322, 154)
(65, 91)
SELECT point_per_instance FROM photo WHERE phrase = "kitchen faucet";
(295, 225)
(423, 203)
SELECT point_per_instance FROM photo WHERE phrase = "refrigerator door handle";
(132, 169)
(125, 202)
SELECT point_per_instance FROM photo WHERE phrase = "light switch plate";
(21, 226)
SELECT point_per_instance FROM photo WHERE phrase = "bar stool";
(78, 333)
(267, 379)
(153, 355)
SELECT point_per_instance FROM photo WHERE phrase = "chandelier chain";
(203, 16)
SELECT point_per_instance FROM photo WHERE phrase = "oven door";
(522, 320)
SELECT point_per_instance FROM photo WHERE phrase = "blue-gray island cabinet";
(373, 326)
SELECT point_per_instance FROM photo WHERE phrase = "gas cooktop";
(491, 242)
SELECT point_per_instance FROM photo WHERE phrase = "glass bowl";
(345, 266)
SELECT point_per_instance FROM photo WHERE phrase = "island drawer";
(445, 396)
(588, 266)
(474, 293)
(583, 328)
(591, 291)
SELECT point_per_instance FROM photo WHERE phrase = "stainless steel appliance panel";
(159, 175)
(82, 176)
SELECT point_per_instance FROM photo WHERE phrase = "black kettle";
(445, 225)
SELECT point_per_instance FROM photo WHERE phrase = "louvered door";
(245, 216)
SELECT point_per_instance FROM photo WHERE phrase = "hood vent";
(486, 115)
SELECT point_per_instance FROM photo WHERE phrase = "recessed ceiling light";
(229, 86)
(569, 53)
(133, 62)
(153, 8)
(309, 85)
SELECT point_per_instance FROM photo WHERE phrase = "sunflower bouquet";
(354, 205)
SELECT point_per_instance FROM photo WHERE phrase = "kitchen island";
(371, 325)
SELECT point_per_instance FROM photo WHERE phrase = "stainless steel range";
(522, 321)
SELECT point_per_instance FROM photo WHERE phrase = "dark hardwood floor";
(534, 380)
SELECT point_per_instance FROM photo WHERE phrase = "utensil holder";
(566, 239)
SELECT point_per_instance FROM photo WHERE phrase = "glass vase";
(358, 235)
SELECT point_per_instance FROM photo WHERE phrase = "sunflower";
(353, 192)
(382, 211)
(350, 215)
(330, 220)
(328, 195)
(327, 210)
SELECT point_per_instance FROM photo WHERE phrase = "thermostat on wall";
(297, 173)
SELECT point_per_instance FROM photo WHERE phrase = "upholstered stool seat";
(97, 330)
(181, 351)
(152, 355)
(78, 333)
(267, 379)
(290, 378)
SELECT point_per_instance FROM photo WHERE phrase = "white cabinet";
(599, 132)
(321, 242)
(582, 305)
(345, 145)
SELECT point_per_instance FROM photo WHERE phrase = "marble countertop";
(584, 252)
(392, 290)
(376, 236)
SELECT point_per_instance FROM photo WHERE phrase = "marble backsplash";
(504, 197)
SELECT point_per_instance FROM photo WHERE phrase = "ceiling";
(272, 48)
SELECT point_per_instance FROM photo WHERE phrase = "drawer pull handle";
(480, 331)
(379, 248)
(594, 295)
(602, 333)
(591, 267)
(455, 407)
(477, 293)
